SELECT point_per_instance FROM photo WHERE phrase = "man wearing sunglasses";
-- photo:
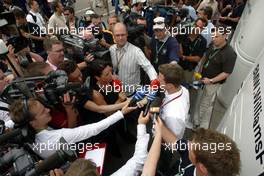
(165, 49)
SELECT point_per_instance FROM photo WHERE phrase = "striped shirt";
(127, 62)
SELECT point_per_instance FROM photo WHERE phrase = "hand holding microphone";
(155, 107)
(139, 95)
(153, 90)
(117, 84)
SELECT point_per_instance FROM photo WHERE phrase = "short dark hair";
(17, 110)
(68, 66)
(48, 43)
(208, 11)
(30, 2)
(113, 16)
(70, 9)
(82, 167)
(18, 13)
(92, 16)
(173, 73)
(35, 69)
(97, 66)
(9, 2)
(55, 5)
(205, 22)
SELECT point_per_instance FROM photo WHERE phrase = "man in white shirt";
(34, 16)
(210, 3)
(127, 59)
(192, 13)
(46, 141)
(175, 106)
(206, 13)
(57, 22)
(133, 166)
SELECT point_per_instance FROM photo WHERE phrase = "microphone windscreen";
(117, 85)
(154, 85)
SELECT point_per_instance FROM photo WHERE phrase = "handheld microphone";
(154, 85)
(150, 97)
(155, 107)
(139, 95)
(153, 90)
(117, 84)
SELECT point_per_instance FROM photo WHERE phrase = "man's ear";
(33, 123)
(97, 78)
(203, 169)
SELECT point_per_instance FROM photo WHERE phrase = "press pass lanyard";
(158, 50)
(211, 56)
(164, 104)
(181, 171)
(119, 56)
(192, 47)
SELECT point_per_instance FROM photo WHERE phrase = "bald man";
(127, 60)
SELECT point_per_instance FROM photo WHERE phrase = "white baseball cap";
(159, 23)
(137, 1)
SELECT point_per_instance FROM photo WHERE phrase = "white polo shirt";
(174, 111)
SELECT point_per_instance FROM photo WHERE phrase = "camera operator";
(85, 103)
(55, 50)
(38, 117)
(133, 166)
(4, 112)
(18, 57)
(37, 69)
(30, 31)
(64, 115)
(98, 27)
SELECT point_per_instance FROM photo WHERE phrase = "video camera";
(8, 24)
(48, 89)
(77, 47)
(25, 163)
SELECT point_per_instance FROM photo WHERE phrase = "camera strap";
(119, 56)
